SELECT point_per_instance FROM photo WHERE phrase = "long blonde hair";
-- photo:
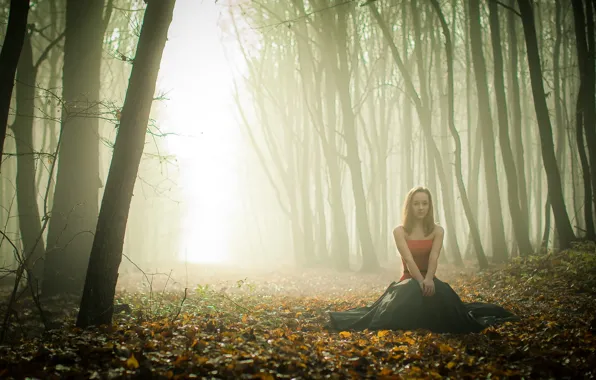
(428, 224)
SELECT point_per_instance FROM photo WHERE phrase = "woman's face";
(420, 205)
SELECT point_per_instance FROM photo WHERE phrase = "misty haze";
(297, 189)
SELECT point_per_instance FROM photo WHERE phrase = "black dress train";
(403, 307)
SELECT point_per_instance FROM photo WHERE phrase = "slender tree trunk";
(370, 262)
(583, 159)
(586, 113)
(29, 219)
(566, 235)
(321, 226)
(560, 145)
(424, 116)
(472, 224)
(340, 240)
(518, 219)
(54, 76)
(305, 197)
(9, 59)
(499, 246)
(474, 137)
(75, 209)
(406, 142)
(546, 231)
(106, 255)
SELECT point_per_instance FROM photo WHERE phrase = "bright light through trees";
(197, 79)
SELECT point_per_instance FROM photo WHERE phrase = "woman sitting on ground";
(419, 300)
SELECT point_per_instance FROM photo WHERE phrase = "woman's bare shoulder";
(438, 231)
(399, 230)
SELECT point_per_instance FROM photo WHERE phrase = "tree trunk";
(586, 113)
(340, 246)
(518, 219)
(321, 226)
(106, 254)
(516, 115)
(560, 144)
(305, 198)
(29, 220)
(473, 225)
(546, 231)
(583, 159)
(9, 59)
(424, 116)
(369, 259)
(566, 235)
(406, 141)
(75, 208)
(499, 246)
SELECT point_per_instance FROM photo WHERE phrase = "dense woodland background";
(343, 107)
(202, 201)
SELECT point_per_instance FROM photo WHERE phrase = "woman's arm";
(434, 253)
(400, 241)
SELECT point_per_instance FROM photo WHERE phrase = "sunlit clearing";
(196, 77)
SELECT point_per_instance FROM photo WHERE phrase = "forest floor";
(271, 326)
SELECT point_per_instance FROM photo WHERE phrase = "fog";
(287, 136)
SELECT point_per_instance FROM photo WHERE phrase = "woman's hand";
(428, 287)
(421, 283)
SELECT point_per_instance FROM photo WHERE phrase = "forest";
(189, 188)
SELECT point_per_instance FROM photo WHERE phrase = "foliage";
(274, 327)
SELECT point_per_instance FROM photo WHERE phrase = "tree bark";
(499, 246)
(106, 254)
(472, 224)
(29, 220)
(518, 219)
(585, 166)
(75, 208)
(561, 125)
(424, 116)
(566, 235)
(370, 262)
(9, 60)
(586, 113)
(516, 114)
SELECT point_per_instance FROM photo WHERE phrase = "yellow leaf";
(386, 372)
(132, 362)
(180, 359)
(409, 340)
(345, 334)
(244, 318)
(445, 348)
(382, 333)
(451, 365)
(200, 360)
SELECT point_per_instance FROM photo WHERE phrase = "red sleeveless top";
(420, 250)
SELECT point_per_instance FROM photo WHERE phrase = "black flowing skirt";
(403, 307)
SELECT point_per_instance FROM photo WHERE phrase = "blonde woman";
(419, 299)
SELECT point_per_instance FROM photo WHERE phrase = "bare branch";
(47, 50)
(507, 7)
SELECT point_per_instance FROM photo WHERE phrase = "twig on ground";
(181, 304)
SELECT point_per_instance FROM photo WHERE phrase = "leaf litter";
(272, 326)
